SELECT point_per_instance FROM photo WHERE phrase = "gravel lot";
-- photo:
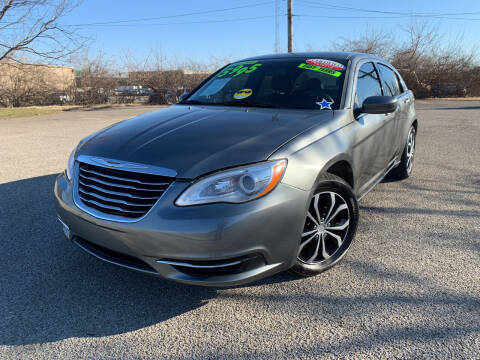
(408, 288)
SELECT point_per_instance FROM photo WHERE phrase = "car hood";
(194, 140)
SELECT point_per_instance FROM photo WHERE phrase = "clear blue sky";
(237, 39)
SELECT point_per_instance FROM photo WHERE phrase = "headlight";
(236, 185)
(70, 164)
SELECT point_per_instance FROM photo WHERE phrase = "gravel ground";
(408, 288)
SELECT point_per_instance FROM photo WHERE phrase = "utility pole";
(290, 27)
(277, 33)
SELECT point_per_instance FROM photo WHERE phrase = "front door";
(371, 152)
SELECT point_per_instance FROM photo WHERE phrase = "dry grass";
(6, 113)
(29, 111)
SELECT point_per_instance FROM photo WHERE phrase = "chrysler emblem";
(119, 164)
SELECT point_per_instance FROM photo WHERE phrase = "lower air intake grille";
(120, 193)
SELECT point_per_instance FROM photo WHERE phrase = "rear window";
(390, 84)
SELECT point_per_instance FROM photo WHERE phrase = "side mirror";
(183, 96)
(379, 105)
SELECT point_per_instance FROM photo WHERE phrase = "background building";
(32, 84)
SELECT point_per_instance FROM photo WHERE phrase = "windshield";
(277, 83)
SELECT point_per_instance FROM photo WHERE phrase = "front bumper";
(214, 244)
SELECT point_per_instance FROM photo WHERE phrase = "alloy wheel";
(325, 229)
(410, 149)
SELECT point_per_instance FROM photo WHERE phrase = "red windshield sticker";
(329, 64)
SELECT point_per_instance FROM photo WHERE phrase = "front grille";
(120, 193)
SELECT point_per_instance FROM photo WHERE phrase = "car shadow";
(426, 297)
(52, 290)
(460, 108)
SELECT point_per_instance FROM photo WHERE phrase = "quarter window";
(389, 81)
(368, 84)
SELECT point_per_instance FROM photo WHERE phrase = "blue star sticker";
(324, 104)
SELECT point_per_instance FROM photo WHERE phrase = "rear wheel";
(329, 228)
(404, 169)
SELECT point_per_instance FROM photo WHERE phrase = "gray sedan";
(256, 171)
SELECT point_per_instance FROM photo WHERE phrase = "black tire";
(404, 169)
(343, 194)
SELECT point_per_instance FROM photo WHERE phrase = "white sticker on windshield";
(329, 64)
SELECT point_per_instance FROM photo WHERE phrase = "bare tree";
(31, 29)
(371, 42)
(95, 80)
(430, 63)
(168, 78)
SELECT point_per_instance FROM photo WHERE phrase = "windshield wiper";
(231, 103)
(194, 102)
(247, 104)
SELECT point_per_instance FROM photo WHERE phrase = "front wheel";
(329, 229)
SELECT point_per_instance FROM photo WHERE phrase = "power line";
(172, 16)
(326, 17)
(180, 23)
(350, 17)
(413, 14)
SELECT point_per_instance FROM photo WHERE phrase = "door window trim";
(351, 84)
(401, 84)
(357, 71)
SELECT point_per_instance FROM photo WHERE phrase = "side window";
(401, 82)
(389, 81)
(368, 84)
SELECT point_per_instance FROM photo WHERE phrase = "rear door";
(407, 114)
(392, 87)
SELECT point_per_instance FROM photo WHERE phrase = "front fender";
(307, 164)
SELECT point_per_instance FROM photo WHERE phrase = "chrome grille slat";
(103, 198)
(118, 193)
(116, 208)
(120, 186)
(121, 179)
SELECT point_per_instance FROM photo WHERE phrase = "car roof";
(332, 55)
